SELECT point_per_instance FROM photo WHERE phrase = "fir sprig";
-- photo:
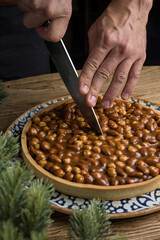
(25, 211)
(92, 223)
(37, 213)
(9, 232)
(27, 207)
(9, 149)
(13, 184)
(39, 235)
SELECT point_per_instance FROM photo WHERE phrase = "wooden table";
(28, 92)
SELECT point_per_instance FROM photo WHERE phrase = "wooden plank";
(28, 92)
(139, 228)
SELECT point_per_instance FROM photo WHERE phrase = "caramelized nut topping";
(61, 142)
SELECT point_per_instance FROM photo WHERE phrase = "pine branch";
(9, 149)
(39, 235)
(13, 189)
(119, 237)
(27, 208)
(24, 202)
(92, 223)
(36, 215)
(3, 94)
(9, 232)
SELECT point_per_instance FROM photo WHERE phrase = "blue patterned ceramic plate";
(141, 205)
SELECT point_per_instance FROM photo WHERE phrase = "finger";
(119, 77)
(55, 31)
(33, 19)
(33, 14)
(133, 77)
(39, 11)
(101, 76)
(30, 5)
(94, 60)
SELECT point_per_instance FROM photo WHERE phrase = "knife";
(66, 69)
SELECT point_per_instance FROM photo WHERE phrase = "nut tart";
(124, 162)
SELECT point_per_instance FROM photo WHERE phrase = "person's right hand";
(37, 12)
(117, 44)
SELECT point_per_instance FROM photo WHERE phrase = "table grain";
(28, 92)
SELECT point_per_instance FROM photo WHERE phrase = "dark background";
(23, 53)
(85, 12)
(153, 35)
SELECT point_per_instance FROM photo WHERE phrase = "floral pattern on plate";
(66, 203)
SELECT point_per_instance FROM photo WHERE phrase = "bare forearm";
(137, 8)
(147, 4)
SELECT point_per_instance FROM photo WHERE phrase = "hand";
(117, 42)
(37, 12)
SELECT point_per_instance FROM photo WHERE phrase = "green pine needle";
(9, 232)
(37, 213)
(3, 94)
(118, 237)
(92, 223)
(24, 201)
(13, 189)
(9, 149)
(39, 235)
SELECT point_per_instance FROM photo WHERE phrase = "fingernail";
(107, 104)
(125, 96)
(92, 99)
(84, 89)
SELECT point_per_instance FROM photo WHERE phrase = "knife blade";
(66, 69)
